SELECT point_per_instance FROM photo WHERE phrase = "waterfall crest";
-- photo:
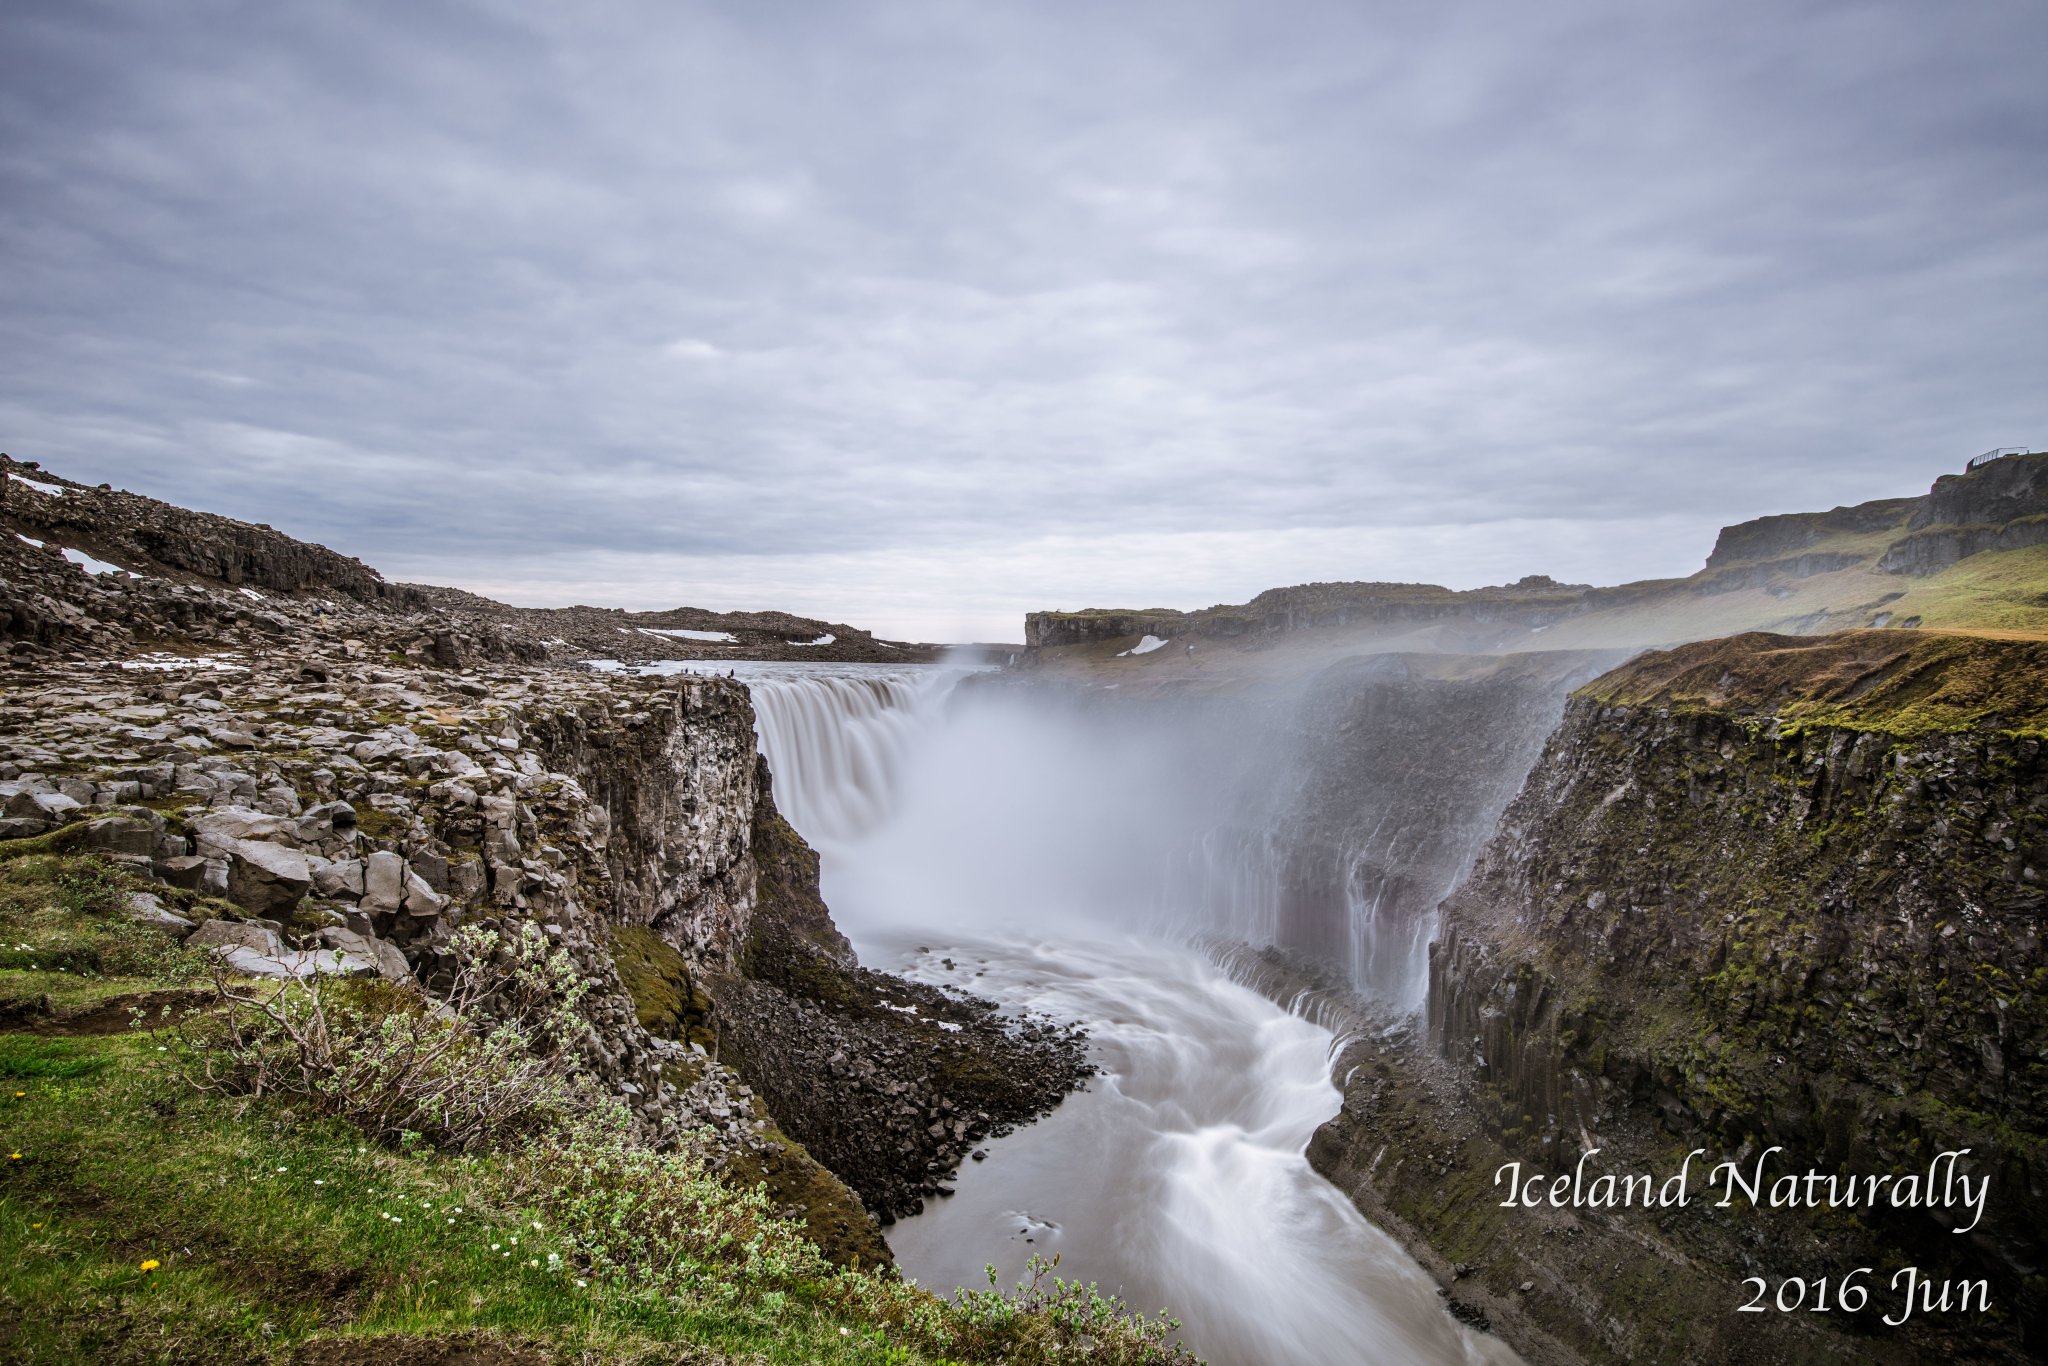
(837, 746)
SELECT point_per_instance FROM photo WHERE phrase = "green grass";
(24, 1056)
(144, 1221)
(59, 917)
(268, 1230)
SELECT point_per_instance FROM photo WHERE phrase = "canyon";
(1744, 867)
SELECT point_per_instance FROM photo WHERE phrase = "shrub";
(61, 914)
(660, 1226)
(661, 1221)
(490, 1062)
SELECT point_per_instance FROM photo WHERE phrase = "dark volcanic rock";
(888, 1082)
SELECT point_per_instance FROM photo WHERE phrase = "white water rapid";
(1027, 854)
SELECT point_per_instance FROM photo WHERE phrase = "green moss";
(1898, 683)
(666, 999)
(380, 825)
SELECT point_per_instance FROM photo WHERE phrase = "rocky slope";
(1758, 893)
(183, 581)
(325, 773)
(1971, 554)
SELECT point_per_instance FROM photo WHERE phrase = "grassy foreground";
(144, 1221)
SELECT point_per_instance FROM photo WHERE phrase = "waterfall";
(1018, 843)
(836, 746)
(1329, 819)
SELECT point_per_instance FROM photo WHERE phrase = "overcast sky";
(922, 315)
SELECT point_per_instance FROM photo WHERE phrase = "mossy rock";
(666, 998)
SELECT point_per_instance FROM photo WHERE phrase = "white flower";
(494, 1247)
(284, 1169)
(319, 1183)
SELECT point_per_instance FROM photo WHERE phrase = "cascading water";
(837, 745)
(1007, 848)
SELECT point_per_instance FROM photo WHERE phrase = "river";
(986, 848)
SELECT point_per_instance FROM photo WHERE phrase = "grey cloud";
(787, 279)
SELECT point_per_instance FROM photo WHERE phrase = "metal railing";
(1995, 453)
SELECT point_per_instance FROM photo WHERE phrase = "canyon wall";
(1756, 893)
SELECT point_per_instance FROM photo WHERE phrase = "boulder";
(184, 870)
(78, 790)
(420, 899)
(286, 966)
(223, 824)
(150, 911)
(13, 828)
(345, 954)
(120, 835)
(266, 879)
(228, 934)
(383, 882)
(339, 815)
(41, 806)
(388, 962)
(279, 801)
(466, 880)
(339, 881)
(432, 868)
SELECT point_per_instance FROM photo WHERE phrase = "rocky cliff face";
(1367, 794)
(1755, 893)
(323, 777)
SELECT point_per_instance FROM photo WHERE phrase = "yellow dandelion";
(151, 1265)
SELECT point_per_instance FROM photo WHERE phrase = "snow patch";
(54, 490)
(252, 593)
(825, 639)
(1143, 647)
(713, 637)
(30, 539)
(92, 566)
